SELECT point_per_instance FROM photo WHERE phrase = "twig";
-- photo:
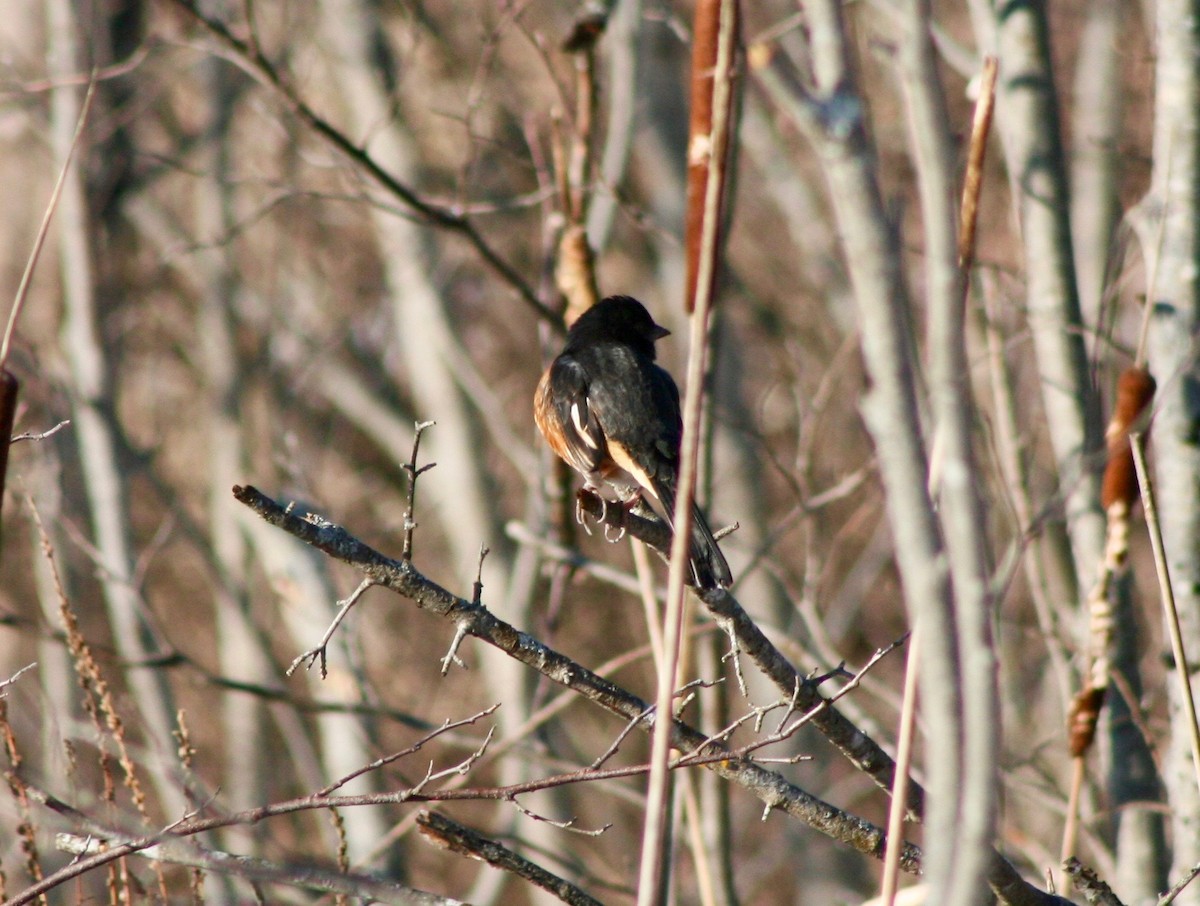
(30, 435)
(460, 632)
(853, 683)
(410, 467)
(1177, 888)
(461, 769)
(12, 679)
(568, 825)
(446, 727)
(629, 727)
(40, 239)
(904, 747)
(319, 652)
(451, 656)
(733, 657)
(1168, 596)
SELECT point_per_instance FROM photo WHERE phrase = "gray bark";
(104, 484)
(1171, 244)
(1027, 118)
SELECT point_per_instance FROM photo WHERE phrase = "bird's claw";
(608, 535)
(581, 515)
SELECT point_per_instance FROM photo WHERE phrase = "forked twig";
(320, 651)
(446, 727)
(410, 467)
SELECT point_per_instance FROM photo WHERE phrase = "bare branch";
(4, 684)
(410, 467)
(447, 834)
(1087, 882)
(446, 727)
(41, 435)
(402, 577)
(261, 871)
(251, 60)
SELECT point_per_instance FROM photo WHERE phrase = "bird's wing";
(565, 416)
(637, 404)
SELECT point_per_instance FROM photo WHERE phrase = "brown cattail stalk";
(1135, 390)
(701, 141)
(1118, 491)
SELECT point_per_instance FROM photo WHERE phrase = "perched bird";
(612, 414)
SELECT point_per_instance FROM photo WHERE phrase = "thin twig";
(904, 747)
(41, 435)
(1136, 442)
(320, 651)
(40, 240)
(414, 473)
(12, 679)
(1177, 888)
(451, 656)
(446, 727)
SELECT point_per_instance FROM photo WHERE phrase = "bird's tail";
(709, 568)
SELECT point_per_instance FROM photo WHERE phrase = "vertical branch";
(1096, 131)
(948, 251)
(9, 385)
(622, 95)
(575, 267)
(1170, 609)
(240, 651)
(705, 160)
(1173, 204)
(654, 869)
(832, 117)
(904, 746)
(1028, 122)
(83, 349)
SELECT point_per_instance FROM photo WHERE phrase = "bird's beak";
(659, 332)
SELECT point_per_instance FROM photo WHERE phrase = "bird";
(611, 413)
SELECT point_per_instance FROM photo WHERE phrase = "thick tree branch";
(403, 578)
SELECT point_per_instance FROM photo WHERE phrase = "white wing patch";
(580, 429)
